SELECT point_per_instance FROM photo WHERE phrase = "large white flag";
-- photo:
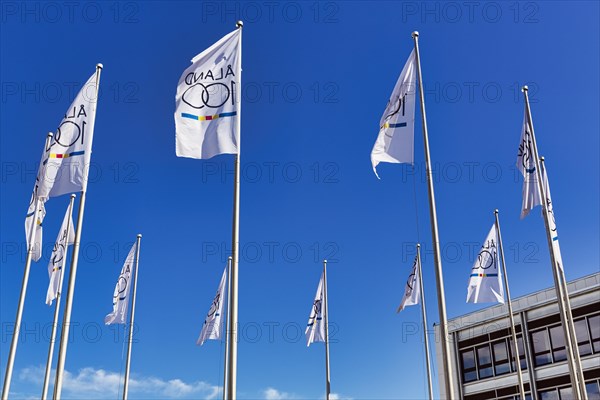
(397, 125)
(121, 293)
(66, 237)
(485, 283)
(67, 157)
(213, 323)
(315, 329)
(526, 164)
(412, 292)
(205, 103)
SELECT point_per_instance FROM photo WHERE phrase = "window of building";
(594, 323)
(501, 365)
(583, 338)
(468, 365)
(484, 362)
(521, 348)
(566, 393)
(551, 394)
(557, 337)
(541, 347)
(593, 390)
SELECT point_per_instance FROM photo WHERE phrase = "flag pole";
(435, 238)
(57, 305)
(66, 324)
(326, 320)
(510, 309)
(424, 314)
(131, 317)
(15, 339)
(232, 314)
(576, 374)
(227, 329)
(565, 295)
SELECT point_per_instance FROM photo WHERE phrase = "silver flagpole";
(15, 339)
(510, 310)
(232, 314)
(435, 238)
(66, 324)
(326, 321)
(131, 317)
(424, 314)
(227, 329)
(576, 381)
(57, 306)
(565, 295)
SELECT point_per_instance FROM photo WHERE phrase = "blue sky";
(316, 79)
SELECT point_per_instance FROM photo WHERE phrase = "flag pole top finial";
(239, 24)
(99, 65)
(524, 88)
(50, 134)
(542, 158)
(415, 34)
(496, 211)
(230, 258)
(324, 261)
(418, 245)
(139, 235)
(73, 195)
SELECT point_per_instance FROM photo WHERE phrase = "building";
(481, 347)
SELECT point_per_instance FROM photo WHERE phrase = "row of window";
(548, 343)
(565, 393)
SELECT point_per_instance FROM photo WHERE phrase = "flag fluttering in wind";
(485, 283)
(121, 293)
(315, 329)
(526, 165)
(213, 323)
(66, 237)
(395, 142)
(66, 158)
(412, 292)
(551, 220)
(206, 109)
(37, 234)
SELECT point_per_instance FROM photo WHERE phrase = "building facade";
(481, 347)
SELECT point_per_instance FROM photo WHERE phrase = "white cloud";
(98, 383)
(337, 396)
(274, 394)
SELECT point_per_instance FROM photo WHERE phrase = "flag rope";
(416, 206)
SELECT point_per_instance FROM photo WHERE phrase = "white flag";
(397, 125)
(551, 220)
(526, 164)
(68, 154)
(121, 293)
(37, 229)
(315, 329)
(205, 103)
(66, 237)
(412, 292)
(213, 323)
(485, 283)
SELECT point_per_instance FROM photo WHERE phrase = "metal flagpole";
(131, 317)
(576, 381)
(57, 306)
(565, 295)
(424, 314)
(510, 310)
(326, 321)
(66, 324)
(227, 329)
(435, 238)
(15, 339)
(232, 314)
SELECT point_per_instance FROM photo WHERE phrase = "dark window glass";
(583, 338)
(593, 391)
(594, 323)
(521, 347)
(558, 343)
(501, 365)
(541, 347)
(549, 395)
(566, 394)
(484, 362)
(468, 365)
